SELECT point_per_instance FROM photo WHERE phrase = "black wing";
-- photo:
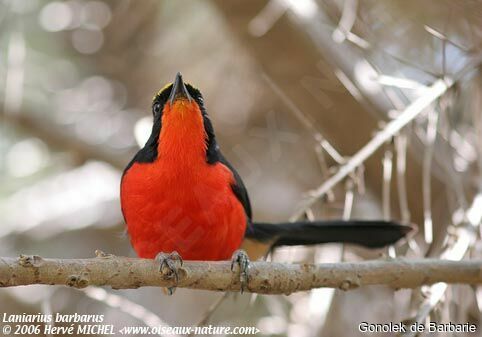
(238, 187)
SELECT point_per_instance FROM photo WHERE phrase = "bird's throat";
(182, 138)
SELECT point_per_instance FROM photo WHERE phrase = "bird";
(182, 199)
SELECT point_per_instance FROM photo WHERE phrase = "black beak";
(179, 90)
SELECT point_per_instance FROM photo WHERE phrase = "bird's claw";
(242, 260)
(168, 266)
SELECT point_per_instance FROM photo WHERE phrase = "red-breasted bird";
(180, 194)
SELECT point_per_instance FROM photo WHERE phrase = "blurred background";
(295, 88)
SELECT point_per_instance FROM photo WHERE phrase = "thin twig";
(212, 308)
(427, 174)
(464, 238)
(413, 110)
(401, 150)
(127, 306)
(387, 164)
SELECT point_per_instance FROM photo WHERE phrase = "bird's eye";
(156, 108)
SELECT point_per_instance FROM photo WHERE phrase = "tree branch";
(264, 277)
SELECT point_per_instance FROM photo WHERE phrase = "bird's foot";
(168, 266)
(242, 260)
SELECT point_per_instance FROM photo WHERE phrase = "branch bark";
(264, 277)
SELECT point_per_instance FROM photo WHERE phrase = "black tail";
(371, 234)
